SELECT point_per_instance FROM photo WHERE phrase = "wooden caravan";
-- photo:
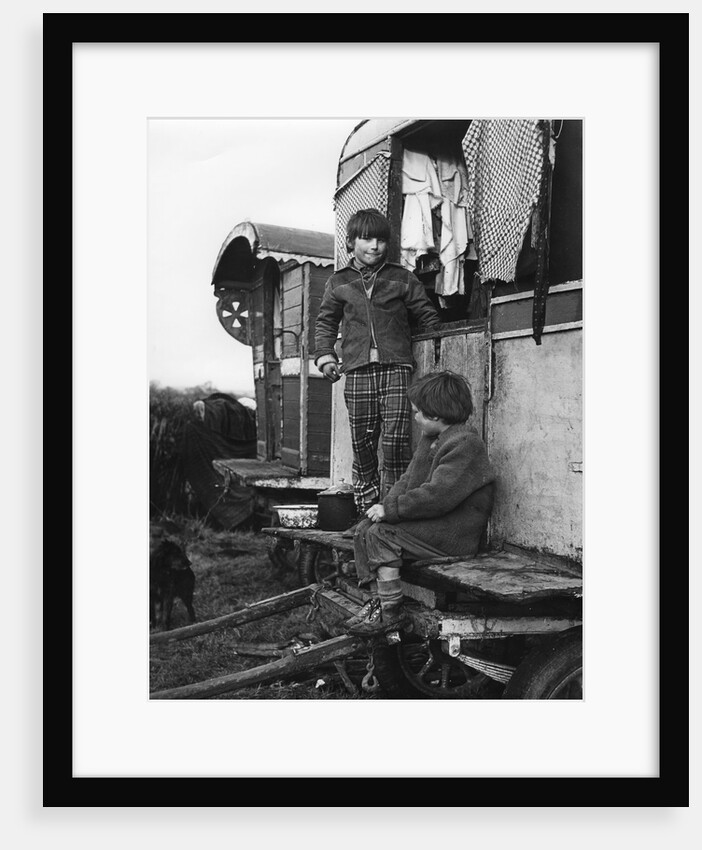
(268, 282)
(517, 340)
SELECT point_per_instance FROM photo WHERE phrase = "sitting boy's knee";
(362, 528)
(374, 529)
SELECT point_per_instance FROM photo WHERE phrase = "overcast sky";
(205, 176)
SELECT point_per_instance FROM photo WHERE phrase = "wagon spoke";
(427, 666)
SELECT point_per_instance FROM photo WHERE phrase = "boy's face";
(431, 426)
(370, 251)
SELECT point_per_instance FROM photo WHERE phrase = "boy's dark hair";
(445, 395)
(366, 224)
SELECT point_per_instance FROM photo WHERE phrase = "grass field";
(232, 569)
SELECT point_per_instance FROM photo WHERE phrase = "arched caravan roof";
(250, 241)
(371, 131)
(372, 136)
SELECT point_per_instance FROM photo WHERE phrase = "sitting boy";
(439, 507)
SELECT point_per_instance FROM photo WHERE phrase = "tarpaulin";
(228, 430)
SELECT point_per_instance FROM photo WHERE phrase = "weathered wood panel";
(293, 318)
(261, 419)
(341, 454)
(291, 413)
(321, 427)
(320, 398)
(496, 627)
(501, 577)
(267, 474)
(463, 353)
(317, 462)
(318, 438)
(292, 292)
(292, 432)
(561, 308)
(535, 443)
(292, 311)
(330, 539)
(290, 457)
(318, 276)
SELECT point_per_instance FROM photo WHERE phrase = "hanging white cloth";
(455, 226)
(422, 193)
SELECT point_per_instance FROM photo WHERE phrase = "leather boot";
(386, 618)
(370, 608)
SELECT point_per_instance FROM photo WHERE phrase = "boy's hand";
(376, 513)
(331, 372)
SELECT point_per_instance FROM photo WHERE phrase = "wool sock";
(390, 593)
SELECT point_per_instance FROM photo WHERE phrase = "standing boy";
(376, 300)
(439, 507)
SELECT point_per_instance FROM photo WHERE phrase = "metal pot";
(336, 509)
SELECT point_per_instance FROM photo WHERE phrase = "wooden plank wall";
(318, 278)
(561, 308)
(319, 426)
(291, 412)
(292, 310)
(463, 353)
(256, 313)
(261, 419)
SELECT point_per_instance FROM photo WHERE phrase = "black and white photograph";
(367, 344)
(365, 361)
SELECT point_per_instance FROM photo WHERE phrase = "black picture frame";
(670, 788)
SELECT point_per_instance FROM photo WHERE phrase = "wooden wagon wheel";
(282, 555)
(421, 669)
(313, 567)
(233, 314)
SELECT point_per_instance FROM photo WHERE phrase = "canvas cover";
(227, 431)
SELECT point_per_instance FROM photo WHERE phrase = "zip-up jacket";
(381, 320)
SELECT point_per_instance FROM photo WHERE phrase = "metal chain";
(370, 684)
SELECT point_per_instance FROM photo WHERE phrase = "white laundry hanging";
(422, 193)
(455, 226)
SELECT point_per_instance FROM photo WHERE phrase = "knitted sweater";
(446, 495)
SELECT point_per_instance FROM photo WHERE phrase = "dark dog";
(170, 576)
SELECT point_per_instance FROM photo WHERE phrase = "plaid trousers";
(376, 399)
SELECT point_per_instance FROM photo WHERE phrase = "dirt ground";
(232, 569)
